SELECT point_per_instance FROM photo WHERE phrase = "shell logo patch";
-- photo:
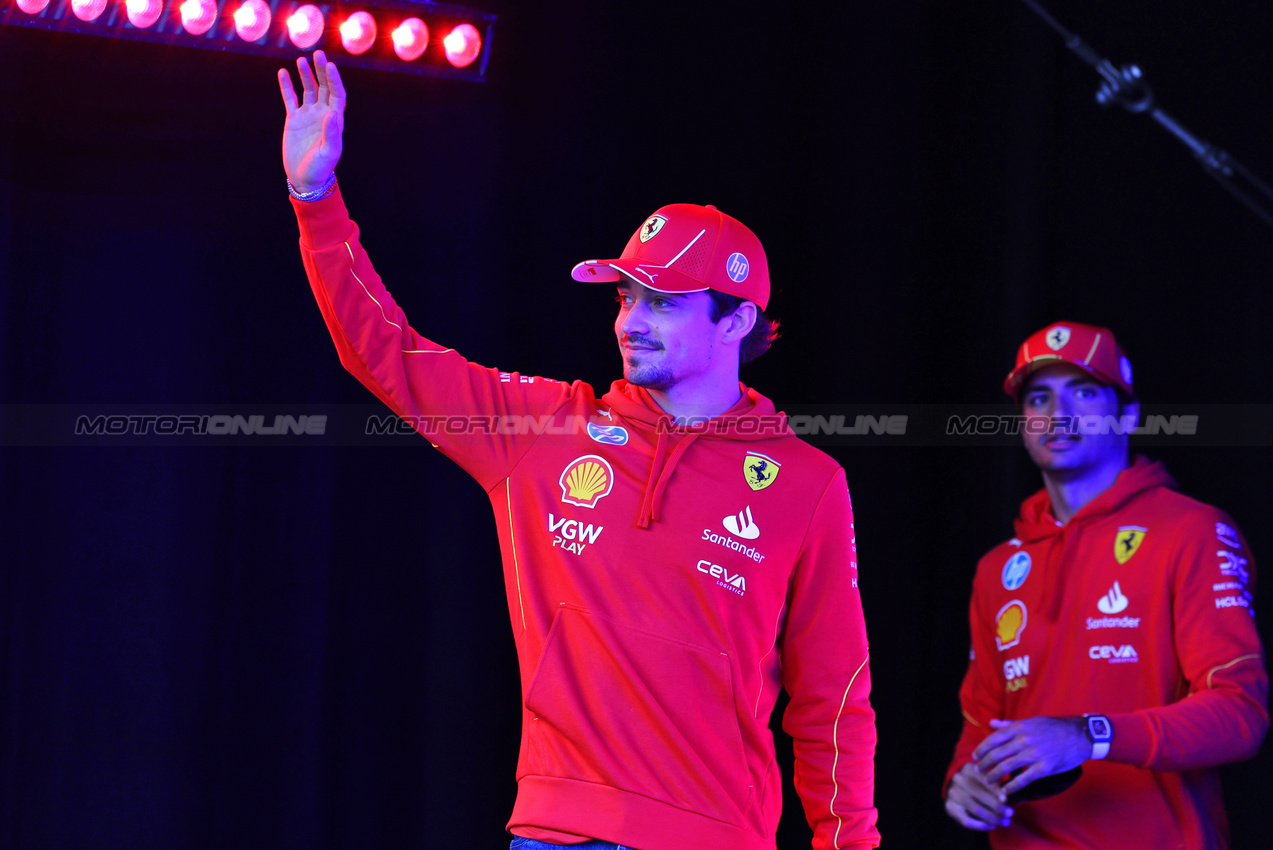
(1127, 541)
(1058, 337)
(760, 470)
(586, 480)
(1009, 624)
(652, 226)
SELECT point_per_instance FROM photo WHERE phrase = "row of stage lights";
(305, 26)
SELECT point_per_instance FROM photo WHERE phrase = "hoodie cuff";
(323, 223)
(1133, 741)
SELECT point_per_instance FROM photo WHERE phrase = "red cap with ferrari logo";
(688, 248)
(1091, 348)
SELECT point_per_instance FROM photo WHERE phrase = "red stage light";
(410, 39)
(462, 45)
(144, 13)
(305, 26)
(32, 7)
(252, 20)
(358, 32)
(198, 16)
(88, 10)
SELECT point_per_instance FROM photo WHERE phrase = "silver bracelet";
(318, 194)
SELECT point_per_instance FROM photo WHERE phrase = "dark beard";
(650, 377)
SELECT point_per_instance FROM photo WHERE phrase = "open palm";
(312, 134)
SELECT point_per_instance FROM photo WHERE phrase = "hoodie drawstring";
(660, 448)
(1057, 555)
(661, 470)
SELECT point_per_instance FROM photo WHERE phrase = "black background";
(296, 646)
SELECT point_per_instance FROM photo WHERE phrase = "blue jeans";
(532, 844)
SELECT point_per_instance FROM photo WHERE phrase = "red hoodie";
(663, 584)
(1139, 608)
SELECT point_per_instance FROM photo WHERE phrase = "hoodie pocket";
(638, 712)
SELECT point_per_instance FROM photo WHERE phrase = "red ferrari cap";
(1091, 348)
(688, 248)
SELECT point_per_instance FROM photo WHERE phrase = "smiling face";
(1064, 390)
(667, 339)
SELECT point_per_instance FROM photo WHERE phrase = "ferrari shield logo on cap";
(760, 470)
(1058, 337)
(1127, 541)
(652, 226)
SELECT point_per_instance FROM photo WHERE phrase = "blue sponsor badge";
(1016, 570)
(611, 435)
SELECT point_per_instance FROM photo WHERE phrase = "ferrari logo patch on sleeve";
(1127, 541)
(760, 470)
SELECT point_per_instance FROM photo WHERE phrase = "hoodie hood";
(1037, 521)
(752, 418)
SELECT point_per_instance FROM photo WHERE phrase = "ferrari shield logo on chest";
(1127, 541)
(652, 226)
(760, 470)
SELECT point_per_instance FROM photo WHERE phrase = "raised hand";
(312, 134)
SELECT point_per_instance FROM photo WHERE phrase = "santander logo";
(742, 525)
(1113, 602)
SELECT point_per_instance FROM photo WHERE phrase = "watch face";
(1099, 727)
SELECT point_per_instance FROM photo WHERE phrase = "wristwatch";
(1100, 732)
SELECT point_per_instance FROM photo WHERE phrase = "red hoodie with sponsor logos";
(663, 584)
(1138, 608)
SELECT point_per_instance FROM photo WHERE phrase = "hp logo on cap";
(737, 267)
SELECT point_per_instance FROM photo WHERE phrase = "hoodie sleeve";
(481, 418)
(1223, 713)
(981, 696)
(825, 670)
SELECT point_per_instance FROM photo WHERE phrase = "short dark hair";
(762, 335)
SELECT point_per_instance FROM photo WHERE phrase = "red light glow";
(462, 45)
(358, 32)
(32, 7)
(144, 13)
(410, 39)
(88, 10)
(198, 16)
(305, 26)
(252, 20)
